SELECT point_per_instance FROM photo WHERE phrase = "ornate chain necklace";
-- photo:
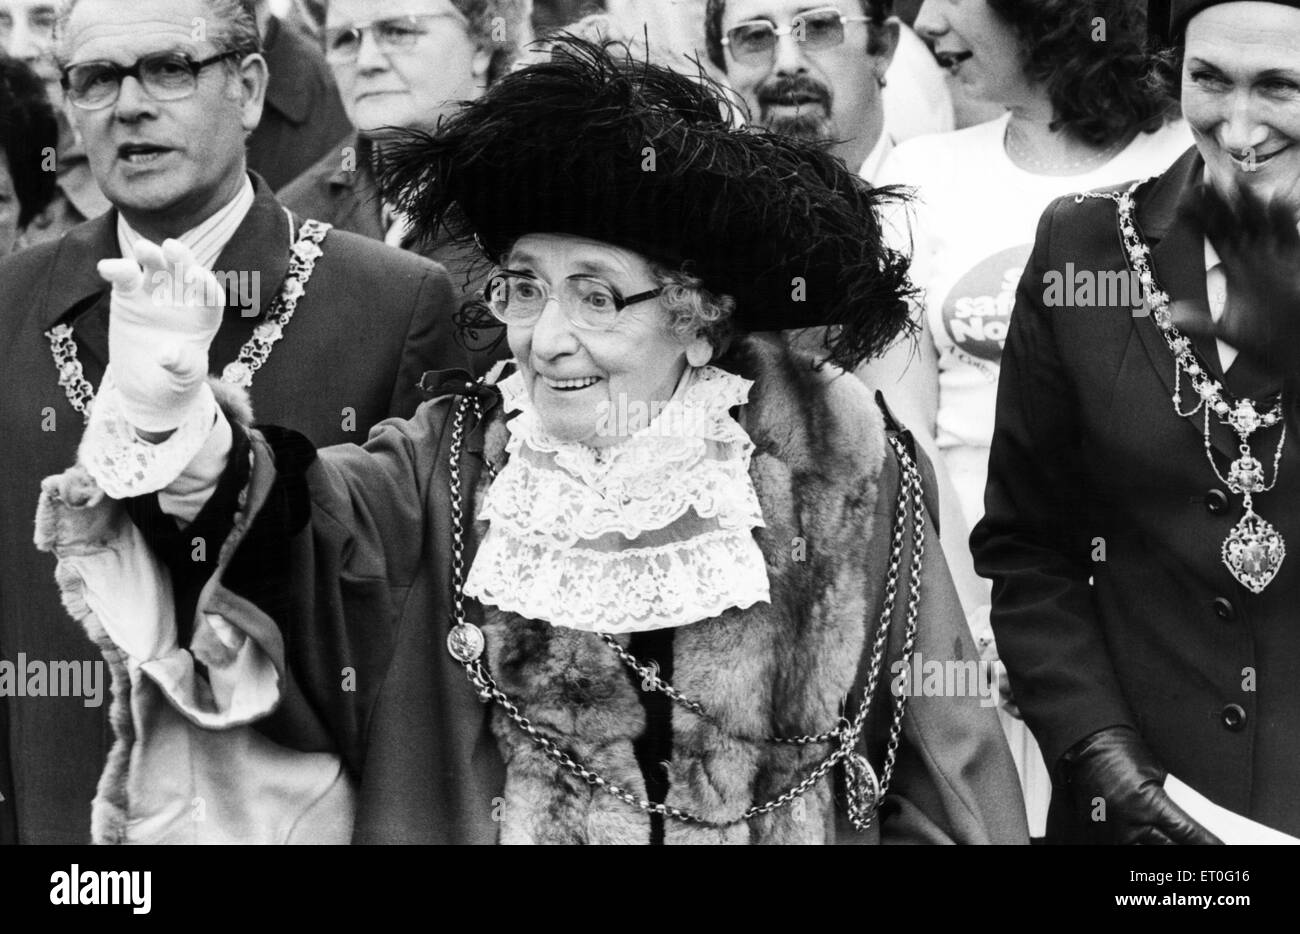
(466, 643)
(239, 372)
(1254, 550)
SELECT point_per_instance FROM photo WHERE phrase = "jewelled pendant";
(862, 788)
(465, 643)
(1253, 552)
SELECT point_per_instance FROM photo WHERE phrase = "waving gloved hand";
(164, 311)
(1115, 766)
(154, 410)
(1259, 246)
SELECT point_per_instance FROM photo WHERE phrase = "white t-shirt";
(973, 230)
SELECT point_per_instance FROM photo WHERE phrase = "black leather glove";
(1115, 766)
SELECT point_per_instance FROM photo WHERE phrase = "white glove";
(162, 319)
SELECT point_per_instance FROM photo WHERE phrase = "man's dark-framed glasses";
(589, 303)
(167, 76)
(755, 39)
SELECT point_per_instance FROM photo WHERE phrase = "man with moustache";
(1143, 489)
(810, 69)
(164, 109)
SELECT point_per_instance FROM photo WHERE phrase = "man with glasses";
(811, 69)
(327, 329)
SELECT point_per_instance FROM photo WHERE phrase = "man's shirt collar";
(209, 238)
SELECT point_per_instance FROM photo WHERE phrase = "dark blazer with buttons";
(1104, 523)
(371, 321)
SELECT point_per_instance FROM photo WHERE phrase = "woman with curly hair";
(1081, 113)
(662, 578)
(29, 132)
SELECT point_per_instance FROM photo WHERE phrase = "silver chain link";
(846, 733)
(252, 355)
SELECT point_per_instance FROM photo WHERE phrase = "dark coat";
(371, 321)
(1092, 475)
(362, 591)
(303, 117)
(340, 189)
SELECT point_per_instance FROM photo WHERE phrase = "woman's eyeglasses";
(518, 298)
(168, 76)
(392, 34)
(755, 39)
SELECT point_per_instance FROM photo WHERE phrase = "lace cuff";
(122, 463)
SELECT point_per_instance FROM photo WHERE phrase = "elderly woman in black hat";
(1142, 493)
(660, 579)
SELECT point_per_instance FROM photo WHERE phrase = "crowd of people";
(967, 332)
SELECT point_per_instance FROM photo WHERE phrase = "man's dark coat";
(372, 320)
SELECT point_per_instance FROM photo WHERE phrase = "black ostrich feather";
(601, 145)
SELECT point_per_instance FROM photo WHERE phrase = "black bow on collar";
(435, 383)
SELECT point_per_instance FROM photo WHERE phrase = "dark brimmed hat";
(1181, 12)
(596, 144)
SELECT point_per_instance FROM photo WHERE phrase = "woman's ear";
(699, 352)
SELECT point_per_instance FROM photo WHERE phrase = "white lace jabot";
(649, 533)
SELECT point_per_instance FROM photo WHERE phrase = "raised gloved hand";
(1259, 246)
(164, 311)
(1114, 765)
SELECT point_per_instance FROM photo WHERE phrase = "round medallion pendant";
(465, 642)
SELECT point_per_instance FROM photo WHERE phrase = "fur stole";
(782, 668)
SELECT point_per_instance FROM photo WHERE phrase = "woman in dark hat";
(1143, 491)
(688, 570)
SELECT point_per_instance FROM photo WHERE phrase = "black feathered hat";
(597, 144)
